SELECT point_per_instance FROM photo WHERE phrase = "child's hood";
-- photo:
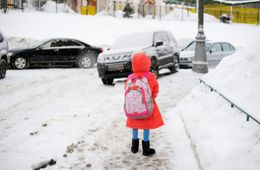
(140, 63)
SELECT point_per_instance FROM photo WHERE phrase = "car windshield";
(191, 46)
(134, 40)
(38, 43)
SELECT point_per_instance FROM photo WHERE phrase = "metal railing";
(248, 116)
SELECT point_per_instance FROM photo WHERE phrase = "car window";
(67, 43)
(216, 47)
(158, 37)
(171, 38)
(73, 43)
(192, 46)
(52, 44)
(1, 37)
(227, 47)
(165, 37)
(57, 43)
(47, 44)
(208, 45)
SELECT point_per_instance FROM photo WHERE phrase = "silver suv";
(160, 46)
(4, 59)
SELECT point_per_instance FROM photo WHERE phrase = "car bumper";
(114, 70)
(186, 64)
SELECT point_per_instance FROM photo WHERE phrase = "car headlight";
(9, 54)
(100, 59)
(190, 58)
(126, 57)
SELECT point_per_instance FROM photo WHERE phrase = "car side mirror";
(160, 43)
(212, 50)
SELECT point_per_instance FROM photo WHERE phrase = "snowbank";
(185, 15)
(104, 30)
(50, 6)
(223, 138)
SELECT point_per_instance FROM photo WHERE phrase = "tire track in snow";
(27, 88)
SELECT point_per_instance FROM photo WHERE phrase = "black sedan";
(59, 51)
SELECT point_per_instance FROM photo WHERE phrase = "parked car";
(4, 58)
(215, 52)
(160, 46)
(59, 51)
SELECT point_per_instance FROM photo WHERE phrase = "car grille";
(183, 59)
(117, 58)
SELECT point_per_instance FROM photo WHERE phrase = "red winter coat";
(141, 64)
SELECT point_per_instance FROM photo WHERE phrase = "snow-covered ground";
(70, 116)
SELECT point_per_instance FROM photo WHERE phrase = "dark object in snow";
(71, 148)
(44, 164)
(147, 151)
(160, 46)
(55, 52)
(135, 145)
(65, 155)
(4, 57)
(88, 165)
(128, 10)
(4, 7)
(44, 125)
(34, 133)
(225, 18)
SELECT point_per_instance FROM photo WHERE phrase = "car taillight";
(101, 50)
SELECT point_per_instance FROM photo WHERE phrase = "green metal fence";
(248, 116)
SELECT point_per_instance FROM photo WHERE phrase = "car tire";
(3, 68)
(86, 60)
(107, 81)
(173, 68)
(154, 67)
(21, 63)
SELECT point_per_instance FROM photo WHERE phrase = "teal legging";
(146, 134)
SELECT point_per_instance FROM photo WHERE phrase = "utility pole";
(200, 64)
(56, 6)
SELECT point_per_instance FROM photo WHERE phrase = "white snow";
(51, 6)
(46, 113)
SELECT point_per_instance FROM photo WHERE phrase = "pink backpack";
(138, 102)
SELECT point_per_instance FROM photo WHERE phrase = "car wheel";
(20, 63)
(3, 68)
(154, 67)
(107, 81)
(174, 68)
(87, 60)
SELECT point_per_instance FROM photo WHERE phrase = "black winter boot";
(135, 145)
(147, 151)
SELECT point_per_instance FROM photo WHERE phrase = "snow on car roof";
(134, 40)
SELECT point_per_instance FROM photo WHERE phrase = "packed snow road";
(68, 115)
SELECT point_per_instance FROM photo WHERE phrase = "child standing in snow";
(141, 66)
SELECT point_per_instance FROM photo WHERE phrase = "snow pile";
(50, 6)
(104, 30)
(18, 42)
(223, 138)
(240, 78)
(182, 14)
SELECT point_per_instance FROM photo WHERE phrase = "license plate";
(116, 68)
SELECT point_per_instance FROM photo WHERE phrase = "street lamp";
(200, 64)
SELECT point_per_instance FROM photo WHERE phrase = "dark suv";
(160, 46)
(4, 59)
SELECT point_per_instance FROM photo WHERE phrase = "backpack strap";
(146, 74)
(132, 76)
